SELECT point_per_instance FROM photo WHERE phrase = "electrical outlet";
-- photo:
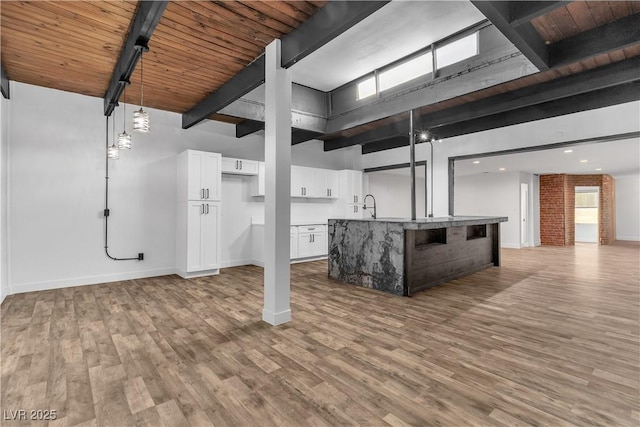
(140, 256)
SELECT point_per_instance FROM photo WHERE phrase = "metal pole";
(431, 183)
(412, 165)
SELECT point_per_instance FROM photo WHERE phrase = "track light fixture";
(141, 117)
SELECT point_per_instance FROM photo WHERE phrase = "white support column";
(277, 206)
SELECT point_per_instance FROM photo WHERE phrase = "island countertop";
(402, 256)
(431, 223)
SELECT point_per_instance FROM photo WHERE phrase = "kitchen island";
(402, 256)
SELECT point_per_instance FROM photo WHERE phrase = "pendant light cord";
(141, 80)
(140, 256)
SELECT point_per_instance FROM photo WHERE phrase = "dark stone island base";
(402, 256)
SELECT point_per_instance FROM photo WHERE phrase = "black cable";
(106, 202)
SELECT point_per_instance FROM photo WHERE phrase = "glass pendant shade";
(124, 141)
(113, 153)
(141, 121)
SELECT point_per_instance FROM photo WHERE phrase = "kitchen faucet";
(373, 215)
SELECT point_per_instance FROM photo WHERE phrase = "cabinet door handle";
(207, 208)
(207, 193)
(310, 238)
(240, 164)
(236, 164)
(202, 193)
(202, 209)
(356, 199)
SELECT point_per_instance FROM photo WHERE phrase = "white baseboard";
(87, 280)
(276, 318)
(628, 238)
(194, 274)
(510, 246)
(293, 261)
(236, 263)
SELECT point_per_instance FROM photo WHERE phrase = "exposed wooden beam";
(322, 27)
(4, 83)
(521, 12)
(615, 35)
(587, 101)
(524, 37)
(325, 25)
(144, 23)
(599, 78)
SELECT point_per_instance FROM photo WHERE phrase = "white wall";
(492, 194)
(4, 145)
(628, 207)
(393, 194)
(56, 195)
(587, 124)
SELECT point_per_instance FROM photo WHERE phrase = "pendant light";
(112, 152)
(124, 139)
(141, 117)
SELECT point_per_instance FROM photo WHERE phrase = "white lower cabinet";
(312, 241)
(307, 241)
(198, 238)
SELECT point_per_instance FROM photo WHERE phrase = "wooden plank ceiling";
(561, 23)
(196, 47)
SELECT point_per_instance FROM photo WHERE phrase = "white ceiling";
(394, 31)
(615, 158)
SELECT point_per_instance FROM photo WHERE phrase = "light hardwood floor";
(550, 338)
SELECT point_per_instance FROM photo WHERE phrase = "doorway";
(524, 215)
(586, 214)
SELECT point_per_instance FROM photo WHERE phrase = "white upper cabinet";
(199, 176)
(311, 183)
(351, 186)
(325, 183)
(302, 184)
(239, 166)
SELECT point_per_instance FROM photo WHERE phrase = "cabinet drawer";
(310, 228)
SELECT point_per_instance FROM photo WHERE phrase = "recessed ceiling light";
(598, 169)
(502, 169)
(583, 161)
(568, 151)
(475, 162)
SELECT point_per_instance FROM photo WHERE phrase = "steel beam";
(325, 25)
(521, 12)
(4, 83)
(616, 35)
(298, 136)
(247, 127)
(382, 133)
(524, 37)
(242, 83)
(599, 78)
(587, 101)
(322, 27)
(144, 23)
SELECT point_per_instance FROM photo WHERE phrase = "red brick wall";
(552, 221)
(607, 210)
(557, 207)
